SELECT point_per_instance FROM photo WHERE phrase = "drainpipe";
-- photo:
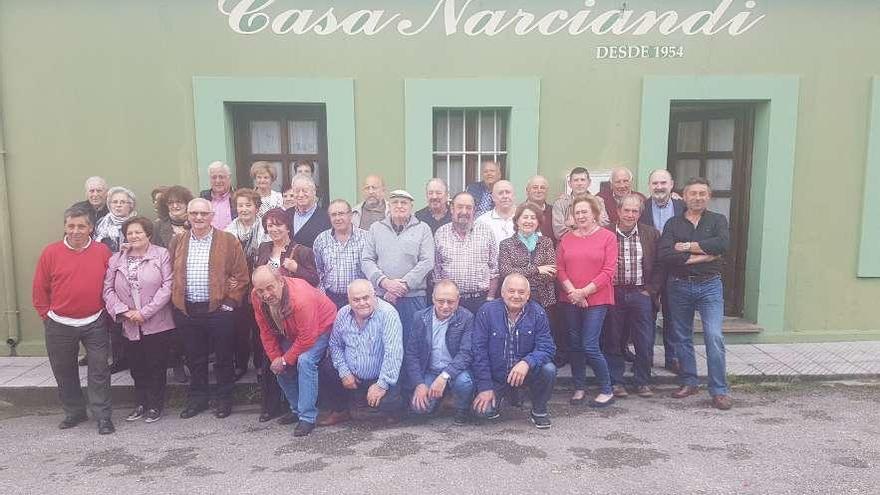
(6, 265)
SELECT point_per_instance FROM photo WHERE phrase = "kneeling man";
(438, 354)
(295, 320)
(513, 348)
(366, 349)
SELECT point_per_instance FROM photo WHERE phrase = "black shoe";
(179, 374)
(267, 416)
(83, 361)
(71, 421)
(289, 418)
(303, 428)
(105, 427)
(540, 422)
(190, 411)
(461, 418)
(223, 411)
(137, 414)
(117, 367)
(239, 373)
(152, 416)
(629, 356)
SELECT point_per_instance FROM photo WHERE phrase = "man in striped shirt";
(366, 350)
(338, 253)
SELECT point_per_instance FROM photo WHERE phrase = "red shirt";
(582, 260)
(70, 283)
(308, 314)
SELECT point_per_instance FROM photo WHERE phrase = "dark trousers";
(338, 299)
(273, 401)
(62, 346)
(338, 398)
(668, 347)
(148, 363)
(202, 333)
(247, 338)
(540, 383)
(629, 318)
(117, 347)
(559, 330)
(472, 304)
(176, 354)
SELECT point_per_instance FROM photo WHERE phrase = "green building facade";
(777, 101)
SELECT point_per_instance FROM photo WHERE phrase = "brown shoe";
(685, 391)
(722, 402)
(644, 391)
(619, 391)
(334, 418)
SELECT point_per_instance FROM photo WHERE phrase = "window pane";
(689, 136)
(265, 136)
(303, 137)
(720, 173)
(685, 169)
(487, 131)
(316, 176)
(456, 131)
(721, 135)
(441, 131)
(720, 205)
(452, 175)
(501, 135)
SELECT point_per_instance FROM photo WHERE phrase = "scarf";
(250, 238)
(530, 241)
(109, 230)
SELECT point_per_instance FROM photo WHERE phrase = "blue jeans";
(631, 316)
(584, 331)
(540, 382)
(406, 309)
(462, 386)
(300, 382)
(707, 297)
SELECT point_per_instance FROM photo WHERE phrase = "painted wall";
(95, 87)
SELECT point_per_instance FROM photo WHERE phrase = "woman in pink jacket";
(137, 292)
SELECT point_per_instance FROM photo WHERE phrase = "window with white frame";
(463, 139)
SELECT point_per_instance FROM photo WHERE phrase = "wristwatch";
(283, 362)
(446, 376)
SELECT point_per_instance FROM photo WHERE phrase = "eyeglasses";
(120, 202)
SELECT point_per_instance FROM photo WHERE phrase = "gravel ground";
(802, 438)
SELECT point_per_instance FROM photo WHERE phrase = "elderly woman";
(586, 260)
(120, 207)
(137, 292)
(248, 229)
(292, 260)
(264, 175)
(172, 214)
(288, 199)
(530, 254)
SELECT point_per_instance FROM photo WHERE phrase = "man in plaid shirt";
(466, 253)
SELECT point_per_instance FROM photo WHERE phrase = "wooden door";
(281, 134)
(714, 141)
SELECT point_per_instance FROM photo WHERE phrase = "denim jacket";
(417, 355)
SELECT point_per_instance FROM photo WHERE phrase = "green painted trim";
(522, 96)
(214, 127)
(869, 247)
(772, 172)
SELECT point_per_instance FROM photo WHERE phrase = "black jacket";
(319, 222)
(647, 217)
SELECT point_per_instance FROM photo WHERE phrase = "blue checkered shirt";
(339, 263)
(197, 269)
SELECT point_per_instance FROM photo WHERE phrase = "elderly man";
(438, 355)
(466, 253)
(373, 208)
(295, 320)
(536, 193)
(579, 183)
(513, 348)
(306, 219)
(220, 195)
(338, 253)
(366, 351)
(397, 257)
(621, 185)
(691, 247)
(490, 173)
(637, 282)
(436, 214)
(96, 199)
(658, 210)
(500, 218)
(210, 278)
(67, 289)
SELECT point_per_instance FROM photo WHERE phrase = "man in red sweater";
(295, 320)
(67, 289)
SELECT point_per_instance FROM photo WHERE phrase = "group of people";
(473, 296)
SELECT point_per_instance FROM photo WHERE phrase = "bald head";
(373, 190)
(362, 298)
(661, 184)
(621, 181)
(268, 285)
(502, 195)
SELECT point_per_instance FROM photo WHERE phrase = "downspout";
(9, 297)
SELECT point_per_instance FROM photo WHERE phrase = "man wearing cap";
(397, 257)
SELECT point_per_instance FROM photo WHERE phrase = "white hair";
(516, 276)
(438, 181)
(218, 165)
(93, 179)
(304, 178)
(119, 189)
(622, 169)
(200, 200)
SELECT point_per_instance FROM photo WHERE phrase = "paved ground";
(793, 438)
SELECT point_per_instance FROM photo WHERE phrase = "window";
(464, 138)
(281, 134)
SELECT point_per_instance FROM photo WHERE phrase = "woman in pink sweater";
(586, 260)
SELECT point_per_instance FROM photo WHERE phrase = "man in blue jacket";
(513, 348)
(438, 355)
